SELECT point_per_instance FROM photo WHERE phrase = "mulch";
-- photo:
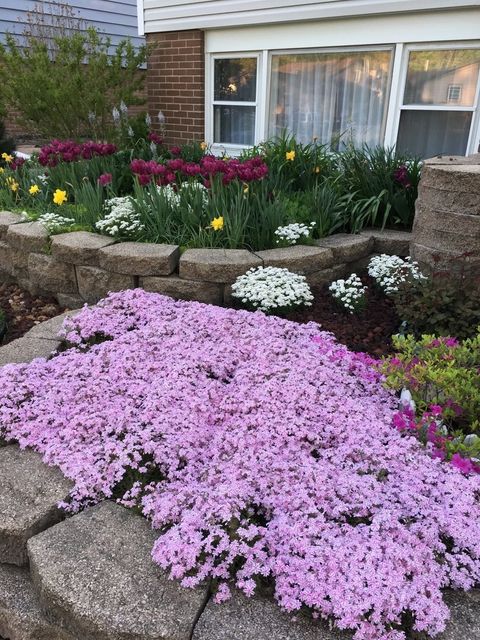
(369, 331)
(23, 310)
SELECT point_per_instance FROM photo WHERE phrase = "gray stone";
(49, 329)
(464, 623)
(390, 241)
(347, 247)
(140, 259)
(208, 292)
(49, 275)
(217, 265)
(27, 237)
(6, 219)
(20, 615)
(6, 259)
(324, 276)
(70, 300)
(454, 177)
(242, 618)
(443, 200)
(95, 283)
(29, 493)
(446, 231)
(300, 258)
(95, 576)
(431, 259)
(26, 349)
(79, 247)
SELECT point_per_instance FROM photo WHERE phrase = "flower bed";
(260, 449)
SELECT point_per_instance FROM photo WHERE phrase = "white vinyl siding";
(175, 15)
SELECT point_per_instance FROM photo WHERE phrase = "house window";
(454, 93)
(439, 102)
(234, 100)
(334, 97)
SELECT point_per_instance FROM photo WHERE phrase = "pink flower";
(105, 178)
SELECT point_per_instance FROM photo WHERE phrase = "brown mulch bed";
(369, 331)
(23, 310)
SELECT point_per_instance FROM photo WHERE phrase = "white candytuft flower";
(349, 293)
(54, 223)
(121, 219)
(271, 289)
(292, 233)
(389, 272)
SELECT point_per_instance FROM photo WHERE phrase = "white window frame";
(404, 51)
(210, 102)
(347, 49)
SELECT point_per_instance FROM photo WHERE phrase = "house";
(393, 72)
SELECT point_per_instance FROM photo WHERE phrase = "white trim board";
(420, 27)
(175, 15)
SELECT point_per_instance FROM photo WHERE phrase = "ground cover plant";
(260, 449)
(280, 194)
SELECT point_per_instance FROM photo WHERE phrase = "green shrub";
(443, 377)
(64, 83)
(446, 303)
(7, 144)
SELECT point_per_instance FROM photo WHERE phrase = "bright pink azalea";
(262, 448)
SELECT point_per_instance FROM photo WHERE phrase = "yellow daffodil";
(12, 184)
(217, 223)
(2, 170)
(8, 158)
(203, 146)
(290, 155)
(34, 189)
(59, 197)
(317, 170)
(245, 188)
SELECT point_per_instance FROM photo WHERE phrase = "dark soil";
(369, 331)
(23, 311)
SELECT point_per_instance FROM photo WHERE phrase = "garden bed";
(369, 331)
(23, 311)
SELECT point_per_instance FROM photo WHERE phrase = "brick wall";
(176, 83)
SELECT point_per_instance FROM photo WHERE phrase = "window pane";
(236, 79)
(442, 77)
(330, 95)
(432, 133)
(234, 125)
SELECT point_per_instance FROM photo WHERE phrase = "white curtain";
(336, 97)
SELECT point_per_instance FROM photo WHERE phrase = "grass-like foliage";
(260, 450)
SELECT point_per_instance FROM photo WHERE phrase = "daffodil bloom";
(12, 184)
(8, 158)
(217, 223)
(2, 170)
(34, 189)
(317, 169)
(59, 197)
(245, 188)
(290, 155)
(203, 146)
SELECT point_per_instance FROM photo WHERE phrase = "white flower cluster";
(292, 233)
(349, 293)
(53, 222)
(121, 219)
(389, 272)
(272, 289)
(173, 196)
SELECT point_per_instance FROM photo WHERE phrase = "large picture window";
(334, 97)
(439, 101)
(234, 100)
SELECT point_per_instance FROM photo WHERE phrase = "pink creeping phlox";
(275, 457)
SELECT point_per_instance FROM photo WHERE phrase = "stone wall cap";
(217, 265)
(454, 160)
(79, 247)
(28, 236)
(140, 258)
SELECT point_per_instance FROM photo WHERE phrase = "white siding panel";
(173, 15)
(374, 30)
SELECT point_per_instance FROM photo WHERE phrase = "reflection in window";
(333, 97)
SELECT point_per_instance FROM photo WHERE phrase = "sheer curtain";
(334, 97)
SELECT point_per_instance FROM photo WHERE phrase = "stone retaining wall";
(83, 267)
(447, 217)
